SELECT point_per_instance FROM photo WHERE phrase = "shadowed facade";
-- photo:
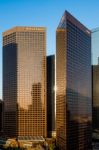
(95, 90)
(73, 82)
(51, 95)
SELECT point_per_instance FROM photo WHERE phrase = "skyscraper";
(95, 45)
(95, 83)
(51, 95)
(24, 81)
(1, 114)
(95, 91)
(73, 84)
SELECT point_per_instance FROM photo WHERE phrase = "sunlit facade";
(73, 82)
(24, 81)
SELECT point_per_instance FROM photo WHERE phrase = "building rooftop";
(25, 29)
(72, 19)
(95, 30)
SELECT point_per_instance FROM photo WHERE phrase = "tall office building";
(95, 83)
(95, 45)
(1, 114)
(95, 91)
(51, 95)
(24, 81)
(73, 84)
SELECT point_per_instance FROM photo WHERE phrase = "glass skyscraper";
(73, 85)
(95, 45)
(95, 83)
(1, 115)
(24, 81)
(51, 95)
(95, 89)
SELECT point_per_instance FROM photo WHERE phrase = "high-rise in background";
(95, 82)
(95, 91)
(1, 116)
(51, 120)
(95, 45)
(73, 84)
(24, 81)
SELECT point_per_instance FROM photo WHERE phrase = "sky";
(45, 13)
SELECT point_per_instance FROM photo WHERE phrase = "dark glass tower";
(95, 90)
(51, 95)
(1, 114)
(73, 83)
(24, 81)
(95, 84)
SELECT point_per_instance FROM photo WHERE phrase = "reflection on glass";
(24, 83)
(73, 81)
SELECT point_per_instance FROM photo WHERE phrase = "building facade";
(73, 84)
(95, 91)
(95, 76)
(24, 81)
(51, 95)
(1, 115)
(95, 45)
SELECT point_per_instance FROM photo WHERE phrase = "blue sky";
(45, 13)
